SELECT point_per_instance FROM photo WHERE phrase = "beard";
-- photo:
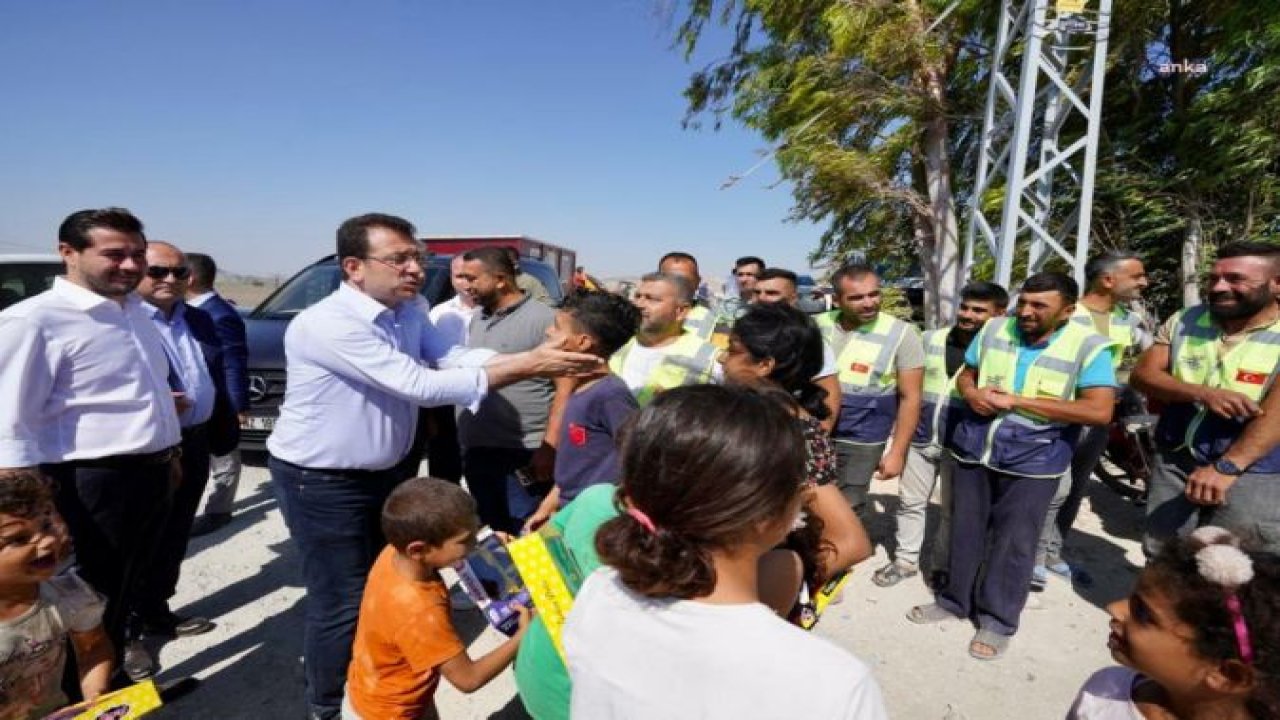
(1232, 305)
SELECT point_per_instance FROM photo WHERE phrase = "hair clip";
(643, 519)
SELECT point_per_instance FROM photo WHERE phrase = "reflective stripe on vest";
(1250, 368)
(700, 321)
(1029, 445)
(940, 391)
(687, 361)
(868, 377)
(1123, 329)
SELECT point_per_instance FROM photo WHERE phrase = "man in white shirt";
(95, 396)
(451, 319)
(360, 364)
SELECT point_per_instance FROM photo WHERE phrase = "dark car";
(266, 324)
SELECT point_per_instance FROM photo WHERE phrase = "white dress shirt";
(452, 320)
(357, 373)
(201, 299)
(187, 360)
(94, 379)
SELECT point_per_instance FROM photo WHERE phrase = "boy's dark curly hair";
(1202, 604)
(608, 317)
(24, 493)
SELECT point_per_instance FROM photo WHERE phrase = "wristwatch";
(1226, 467)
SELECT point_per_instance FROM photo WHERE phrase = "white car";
(25, 275)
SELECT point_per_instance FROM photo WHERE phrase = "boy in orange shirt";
(405, 639)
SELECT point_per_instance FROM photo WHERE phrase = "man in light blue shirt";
(360, 363)
(208, 422)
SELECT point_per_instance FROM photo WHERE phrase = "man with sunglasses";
(360, 363)
(209, 426)
(93, 389)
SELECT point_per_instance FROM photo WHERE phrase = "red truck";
(562, 259)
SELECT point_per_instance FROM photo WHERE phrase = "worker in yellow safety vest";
(880, 368)
(701, 320)
(1218, 440)
(1030, 382)
(1113, 280)
(664, 355)
(928, 462)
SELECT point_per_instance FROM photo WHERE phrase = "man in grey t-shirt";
(508, 454)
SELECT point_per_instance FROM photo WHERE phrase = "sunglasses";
(160, 272)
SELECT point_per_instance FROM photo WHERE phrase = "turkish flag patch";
(860, 367)
(1253, 378)
(577, 434)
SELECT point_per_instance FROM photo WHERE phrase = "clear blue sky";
(250, 129)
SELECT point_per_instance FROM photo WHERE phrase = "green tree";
(860, 100)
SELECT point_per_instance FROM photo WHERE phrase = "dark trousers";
(115, 515)
(995, 527)
(334, 517)
(444, 457)
(160, 579)
(501, 500)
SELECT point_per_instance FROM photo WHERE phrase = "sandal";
(930, 614)
(893, 573)
(996, 642)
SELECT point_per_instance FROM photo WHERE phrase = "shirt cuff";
(466, 358)
(482, 389)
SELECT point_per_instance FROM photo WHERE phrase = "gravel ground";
(246, 577)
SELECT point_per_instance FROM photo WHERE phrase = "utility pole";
(1033, 195)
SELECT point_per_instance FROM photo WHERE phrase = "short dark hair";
(778, 274)
(706, 465)
(1053, 282)
(1248, 248)
(748, 260)
(793, 341)
(677, 255)
(608, 317)
(495, 260)
(1106, 262)
(427, 510)
(984, 291)
(851, 271)
(74, 230)
(684, 288)
(204, 271)
(353, 234)
(24, 493)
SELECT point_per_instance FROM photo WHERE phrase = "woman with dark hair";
(778, 349)
(712, 479)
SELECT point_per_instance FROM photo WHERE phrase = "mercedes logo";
(257, 388)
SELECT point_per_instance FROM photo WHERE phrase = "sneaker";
(138, 663)
(894, 573)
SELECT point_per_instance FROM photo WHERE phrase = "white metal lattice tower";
(1034, 189)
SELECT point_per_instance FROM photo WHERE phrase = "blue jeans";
(502, 502)
(334, 516)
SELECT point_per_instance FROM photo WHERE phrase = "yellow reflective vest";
(1123, 330)
(689, 360)
(1250, 369)
(940, 395)
(868, 377)
(1021, 443)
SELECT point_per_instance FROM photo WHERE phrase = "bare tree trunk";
(941, 291)
(1190, 271)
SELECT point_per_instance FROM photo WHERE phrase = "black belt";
(124, 462)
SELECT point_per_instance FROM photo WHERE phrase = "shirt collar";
(503, 312)
(83, 298)
(201, 299)
(364, 306)
(179, 311)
